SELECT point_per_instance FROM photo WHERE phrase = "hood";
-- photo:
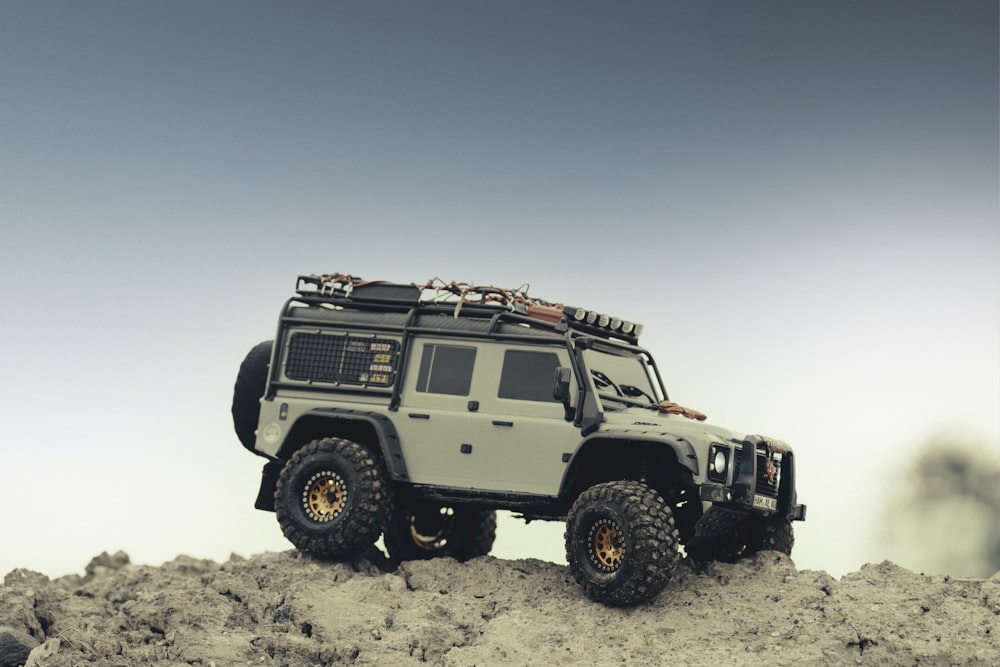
(634, 419)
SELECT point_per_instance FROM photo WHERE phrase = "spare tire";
(251, 380)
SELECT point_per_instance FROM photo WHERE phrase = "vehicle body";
(417, 411)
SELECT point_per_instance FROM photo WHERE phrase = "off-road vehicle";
(416, 411)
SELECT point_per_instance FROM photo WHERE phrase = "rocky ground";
(285, 609)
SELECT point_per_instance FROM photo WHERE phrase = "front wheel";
(621, 542)
(332, 499)
(430, 530)
(772, 534)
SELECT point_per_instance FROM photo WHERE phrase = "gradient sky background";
(799, 200)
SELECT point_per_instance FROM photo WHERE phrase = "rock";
(24, 577)
(285, 609)
(15, 646)
(40, 655)
(104, 564)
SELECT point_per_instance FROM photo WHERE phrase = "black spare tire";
(251, 380)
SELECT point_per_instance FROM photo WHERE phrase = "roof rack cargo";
(341, 290)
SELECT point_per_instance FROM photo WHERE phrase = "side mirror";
(560, 386)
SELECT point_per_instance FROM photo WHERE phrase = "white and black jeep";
(416, 411)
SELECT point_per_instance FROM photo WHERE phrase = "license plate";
(765, 503)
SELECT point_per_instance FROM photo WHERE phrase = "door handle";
(502, 423)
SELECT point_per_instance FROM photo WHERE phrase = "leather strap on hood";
(672, 408)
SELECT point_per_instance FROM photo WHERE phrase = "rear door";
(481, 416)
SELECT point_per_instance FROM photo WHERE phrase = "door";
(481, 415)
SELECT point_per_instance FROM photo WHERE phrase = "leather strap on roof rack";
(513, 299)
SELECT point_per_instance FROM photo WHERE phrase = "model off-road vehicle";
(416, 411)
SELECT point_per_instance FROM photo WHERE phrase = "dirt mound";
(286, 609)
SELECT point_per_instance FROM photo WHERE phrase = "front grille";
(314, 357)
(767, 480)
(767, 476)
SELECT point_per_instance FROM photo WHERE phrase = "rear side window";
(446, 369)
(528, 376)
(314, 357)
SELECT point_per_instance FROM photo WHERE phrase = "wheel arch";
(373, 431)
(665, 466)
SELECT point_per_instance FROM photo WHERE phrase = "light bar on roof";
(600, 321)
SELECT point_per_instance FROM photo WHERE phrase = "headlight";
(718, 463)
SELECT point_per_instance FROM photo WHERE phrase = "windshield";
(622, 379)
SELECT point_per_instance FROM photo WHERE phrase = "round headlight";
(720, 461)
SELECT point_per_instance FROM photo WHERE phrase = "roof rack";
(347, 291)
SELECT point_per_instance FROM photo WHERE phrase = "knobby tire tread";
(362, 520)
(651, 537)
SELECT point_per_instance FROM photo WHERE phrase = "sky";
(799, 200)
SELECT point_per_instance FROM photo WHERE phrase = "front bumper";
(763, 480)
(747, 500)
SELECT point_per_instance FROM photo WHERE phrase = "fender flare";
(683, 450)
(385, 431)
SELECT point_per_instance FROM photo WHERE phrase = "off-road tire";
(332, 499)
(772, 534)
(621, 542)
(430, 530)
(720, 536)
(251, 381)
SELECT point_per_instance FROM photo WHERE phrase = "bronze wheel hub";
(606, 545)
(324, 496)
(431, 531)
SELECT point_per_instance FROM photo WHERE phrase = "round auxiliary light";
(591, 317)
(720, 461)
(603, 321)
(616, 323)
(627, 327)
(579, 314)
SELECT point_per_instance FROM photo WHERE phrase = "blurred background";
(799, 200)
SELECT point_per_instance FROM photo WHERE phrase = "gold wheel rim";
(427, 542)
(606, 548)
(324, 496)
(439, 538)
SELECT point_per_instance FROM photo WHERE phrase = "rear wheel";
(332, 499)
(430, 530)
(621, 542)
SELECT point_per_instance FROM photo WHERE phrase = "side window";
(344, 359)
(446, 369)
(528, 376)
